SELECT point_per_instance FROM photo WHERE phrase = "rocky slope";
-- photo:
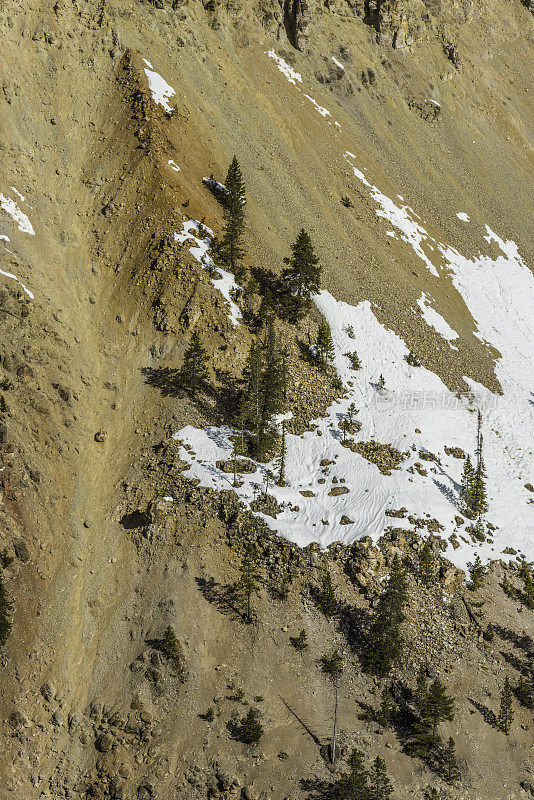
(97, 305)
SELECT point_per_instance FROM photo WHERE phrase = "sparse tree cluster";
(361, 783)
(263, 395)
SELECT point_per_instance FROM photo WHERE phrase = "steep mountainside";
(400, 135)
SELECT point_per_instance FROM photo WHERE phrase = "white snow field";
(498, 291)
(225, 284)
(435, 320)
(159, 88)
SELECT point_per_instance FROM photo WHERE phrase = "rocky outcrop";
(297, 18)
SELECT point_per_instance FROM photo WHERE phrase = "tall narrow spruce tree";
(193, 372)
(506, 710)
(248, 584)
(324, 346)
(385, 641)
(332, 665)
(302, 276)
(379, 783)
(231, 247)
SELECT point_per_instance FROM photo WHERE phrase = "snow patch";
(10, 207)
(324, 112)
(435, 320)
(338, 63)
(463, 216)
(173, 165)
(161, 91)
(285, 69)
(226, 283)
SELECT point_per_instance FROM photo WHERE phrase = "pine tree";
(282, 459)
(169, 643)
(241, 423)
(524, 691)
(326, 597)
(385, 639)
(324, 346)
(385, 713)
(264, 378)
(332, 665)
(479, 503)
(302, 276)
(231, 248)
(421, 691)
(381, 385)
(506, 711)
(6, 608)
(354, 785)
(528, 589)
(248, 584)
(426, 565)
(452, 771)
(251, 729)
(193, 372)
(380, 785)
(439, 706)
(300, 642)
(478, 572)
(466, 490)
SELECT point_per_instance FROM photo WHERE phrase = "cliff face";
(112, 112)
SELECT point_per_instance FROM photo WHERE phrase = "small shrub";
(300, 642)
(347, 202)
(349, 330)
(412, 360)
(249, 730)
(208, 715)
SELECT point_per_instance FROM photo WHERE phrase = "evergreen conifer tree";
(421, 691)
(381, 385)
(524, 691)
(452, 771)
(506, 711)
(193, 372)
(355, 784)
(326, 597)
(466, 490)
(324, 346)
(251, 729)
(439, 706)
(385, 713)
(478, 573)
(528, 589)
(248, 585)
(169, 643)
(332, 665)
(231, 248)
(300, 642)
(302, 276)
(426, 565)
(282, 459)
(379, 782)
(385, 639)
(264, 392)
(6, 608)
